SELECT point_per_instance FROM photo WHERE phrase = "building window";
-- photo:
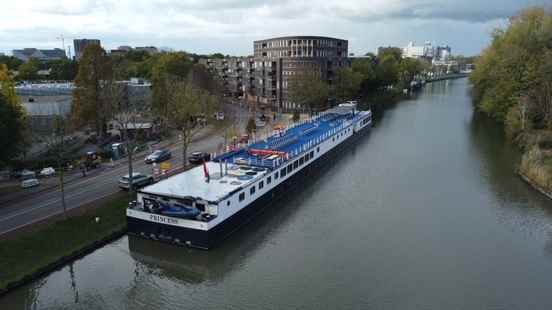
(261, 185)
(252, 190)
(242, 196)
(268, 180)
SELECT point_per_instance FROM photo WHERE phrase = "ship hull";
(207, 239)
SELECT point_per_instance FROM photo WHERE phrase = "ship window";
(301, 160)
(268, 180)
(252, 190)
(283, 172)
(289, 168)
(317, 149)
(200, 207)
(242, 196)
(261, 184)
(295, 164)
(276, 175)
(312, 154)
(228, 203)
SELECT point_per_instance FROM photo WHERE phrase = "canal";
(424, 213)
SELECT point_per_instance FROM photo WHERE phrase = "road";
(43, 205)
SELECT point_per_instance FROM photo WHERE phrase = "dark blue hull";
(208, 239)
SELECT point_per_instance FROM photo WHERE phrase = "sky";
(231, 26)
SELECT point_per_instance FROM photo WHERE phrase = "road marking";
(48, 216)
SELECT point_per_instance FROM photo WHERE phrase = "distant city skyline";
(229, 26)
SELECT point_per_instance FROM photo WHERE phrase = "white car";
(219, 116)
(47, 172)
(30, 183)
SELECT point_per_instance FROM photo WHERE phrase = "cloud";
(230, 26)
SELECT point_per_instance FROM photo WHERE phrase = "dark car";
(199, 157)
(138, 180)
(158, 156)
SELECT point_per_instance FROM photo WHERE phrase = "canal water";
(424, 213)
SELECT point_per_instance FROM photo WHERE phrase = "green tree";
(308, 90)
(29, 70)
(63, 70)
(509, 68)
(168, 68)
(95, 71)
(187, 106)
(13, 121)
(408, 69)
(387, 70)
(11, 62)
(348, 84)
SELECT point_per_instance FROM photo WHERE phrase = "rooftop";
(234, 170)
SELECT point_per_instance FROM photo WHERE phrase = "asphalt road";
(95, 186)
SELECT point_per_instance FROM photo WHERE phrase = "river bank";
(36, 253)
(536, 162)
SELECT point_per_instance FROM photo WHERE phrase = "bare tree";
(127, 115)
(188, 109)
(56, 144)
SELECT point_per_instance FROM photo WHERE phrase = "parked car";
(138, 180)
(47, 172)
(30, 183)
(199, 157)
(27, 175)
(158, 156)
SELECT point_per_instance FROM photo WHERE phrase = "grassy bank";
(536, 164)
(40, 251)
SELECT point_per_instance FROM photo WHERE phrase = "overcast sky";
(230, 26)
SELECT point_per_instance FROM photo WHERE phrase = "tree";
(187, 107)
(348, 84)
(167, 68)
(63, 70)
(95, 71)
(307, 89)
(29, 70)
(128, 115)
(408, 69)
(251, 126)
(11, 62)
(7, 87)
(510, 67)
(56, 143)
(13, 122)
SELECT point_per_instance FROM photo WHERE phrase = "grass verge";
(38, 252)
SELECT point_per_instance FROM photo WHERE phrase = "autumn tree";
(95, 71)
(13, 121)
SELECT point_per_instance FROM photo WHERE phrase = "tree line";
(388, 72)
(512, 81)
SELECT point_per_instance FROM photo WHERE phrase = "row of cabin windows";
(282, 173)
